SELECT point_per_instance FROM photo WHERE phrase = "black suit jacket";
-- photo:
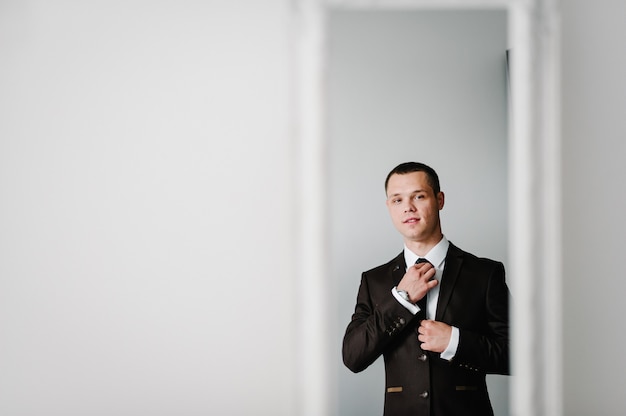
(473, 297)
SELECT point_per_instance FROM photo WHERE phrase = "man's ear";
(441, 198)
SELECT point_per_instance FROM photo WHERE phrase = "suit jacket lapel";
(454, 259)
(398, 268)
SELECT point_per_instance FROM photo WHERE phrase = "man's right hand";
(418, 280)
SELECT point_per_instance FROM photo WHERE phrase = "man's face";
(414, 207)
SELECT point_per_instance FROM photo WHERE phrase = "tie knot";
(421, 260)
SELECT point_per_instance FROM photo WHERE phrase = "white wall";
(127, 133)
(412, 86)
(594, 127)
(146, 203)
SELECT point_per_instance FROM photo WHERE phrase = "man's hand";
(417, 281)
(434, 335)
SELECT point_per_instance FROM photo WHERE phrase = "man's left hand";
(434, 335)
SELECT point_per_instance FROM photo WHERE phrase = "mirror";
(412, 85)
(533, 166)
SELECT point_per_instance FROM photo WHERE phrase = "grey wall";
(593, 127)
(425, 86)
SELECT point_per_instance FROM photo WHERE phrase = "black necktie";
(422, 302)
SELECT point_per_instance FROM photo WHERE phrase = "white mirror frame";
(534, 200)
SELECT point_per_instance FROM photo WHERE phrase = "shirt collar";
(435, 256)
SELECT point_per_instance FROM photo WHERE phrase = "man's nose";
(409, 207)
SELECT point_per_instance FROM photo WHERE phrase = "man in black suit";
(437, 314)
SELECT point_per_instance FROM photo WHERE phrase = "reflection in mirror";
(412, 85)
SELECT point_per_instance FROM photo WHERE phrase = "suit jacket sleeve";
(377, 321)
(485, 347)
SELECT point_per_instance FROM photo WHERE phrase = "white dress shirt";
(437, 257)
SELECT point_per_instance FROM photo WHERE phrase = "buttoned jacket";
(473, 297)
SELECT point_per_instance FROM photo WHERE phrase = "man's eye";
(396, 201)
(419, 196)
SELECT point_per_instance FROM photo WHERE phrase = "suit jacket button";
(424, 395)
(401, 320)
(422, 357)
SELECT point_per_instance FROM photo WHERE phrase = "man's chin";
(413, 237)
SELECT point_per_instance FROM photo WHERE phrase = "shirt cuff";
(450, 351)
(414, 309)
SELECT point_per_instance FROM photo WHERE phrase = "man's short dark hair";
(409, 167)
